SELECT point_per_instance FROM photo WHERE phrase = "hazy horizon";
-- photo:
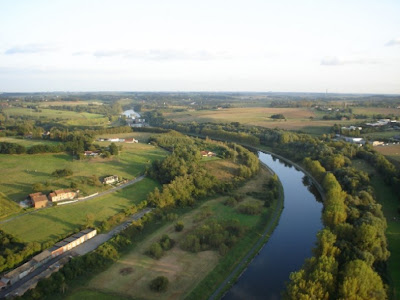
(209, 46)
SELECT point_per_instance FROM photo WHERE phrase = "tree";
(179, 226)
(159, 284)
(113, 149)
(361, 282)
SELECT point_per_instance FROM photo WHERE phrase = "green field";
(64, 117)
(27, 142)
(25, 170)
(390, 203)
(7, 207)
(57, 222)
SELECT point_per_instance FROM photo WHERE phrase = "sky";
(342, 46)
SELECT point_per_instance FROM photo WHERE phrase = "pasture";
(52, 224)
(25, 170)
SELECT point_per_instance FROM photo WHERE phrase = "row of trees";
(350, 251)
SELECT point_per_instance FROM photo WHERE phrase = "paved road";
(112, 190)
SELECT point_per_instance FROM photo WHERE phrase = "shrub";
(159, 284)
(250, 208)
(179, 226)
(62, 172)
(155, 251)
(230, 202)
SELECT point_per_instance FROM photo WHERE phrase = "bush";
(230, 202)
(159, 284)
(155, 251)
(179, 226)
(62, 172)
(250, 208)
(166, 242)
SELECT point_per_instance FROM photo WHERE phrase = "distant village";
(388, 125)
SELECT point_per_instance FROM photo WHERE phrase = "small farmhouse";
(38, 200)
(131, 141)
(110, 179)
(59, 195)
(91, 153)
(207, 153)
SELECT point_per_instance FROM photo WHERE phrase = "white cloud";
(30, 49)
(394, 42)
(336, 61)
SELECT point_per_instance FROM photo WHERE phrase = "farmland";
(305, 119)
(25, 170)
(63, 117)
(52, 224)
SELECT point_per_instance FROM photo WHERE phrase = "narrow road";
(112, 190)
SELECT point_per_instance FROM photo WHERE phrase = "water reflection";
(290, 243)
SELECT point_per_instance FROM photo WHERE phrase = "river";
(291, 242)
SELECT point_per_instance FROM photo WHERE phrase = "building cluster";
(40, 200)
(65, 245)
(382, 122)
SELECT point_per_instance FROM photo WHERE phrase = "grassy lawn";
(54, 223)
(7, 207)
(25, 170)
(390, 203)
(27, 142)
(184, 269)
(94, 295)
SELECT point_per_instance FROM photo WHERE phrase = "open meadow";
(54, 223)
(24, 170)
(130, 276)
